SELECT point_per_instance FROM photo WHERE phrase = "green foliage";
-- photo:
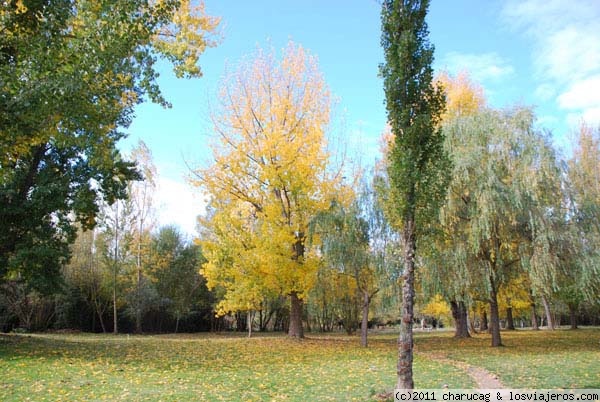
(583, 190)
(174, 269)
(417, 163)
(71, 73)
(344, 236)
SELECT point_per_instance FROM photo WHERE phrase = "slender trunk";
(461, 320)
(115, 328)
(494, 318)
(295, 329)
(510, 323)
(115, 267)
(549, 318)
(249, 320)
(138, 302)
(99, 312)
(405, 340)
(573, 316)
(177, 322)
(484, 321)
(365, 319)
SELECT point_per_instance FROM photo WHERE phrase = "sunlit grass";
(230, 367)
(529, 359)
(205, 367)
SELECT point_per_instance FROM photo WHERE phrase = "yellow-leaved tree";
(269, 177)
(464, 97)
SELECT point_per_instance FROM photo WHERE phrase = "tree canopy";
(270, 176)
(71, 73)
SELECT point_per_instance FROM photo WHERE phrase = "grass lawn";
(227, 367)
(205, 367)
(529, 359)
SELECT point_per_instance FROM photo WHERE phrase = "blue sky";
(543, 53)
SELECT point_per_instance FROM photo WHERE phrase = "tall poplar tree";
(416, 157)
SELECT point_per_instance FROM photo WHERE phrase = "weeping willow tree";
(504, 201)
(446, 258)
(344, 235)
(580, 281)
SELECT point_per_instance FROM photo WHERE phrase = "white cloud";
(482, 67)
(581, 94)
(566, 50)
(179, 204)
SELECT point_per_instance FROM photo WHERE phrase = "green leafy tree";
(503, 208)
(416, 159)
(88, 274)
(71, 73)
(344, 236)
(580, 275)
(174, 266)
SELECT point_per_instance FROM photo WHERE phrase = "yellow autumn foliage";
(463, 96)
(269, 177)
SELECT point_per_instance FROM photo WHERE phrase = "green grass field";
(323, 367)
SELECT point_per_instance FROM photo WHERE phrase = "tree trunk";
(510, 323)
(472, 321)
(549, 318)
(461, 320)
(177, 323)
(249, 322)
(494, 319)
(99, 312)
(484, 321)
(295, 329)
(405, 340)
(364, 325)
(573, 315)
(115, 267)
(138, 303)
(534, 319)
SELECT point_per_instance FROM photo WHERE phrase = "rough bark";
(461, 319)
(494, 318)
(549, 318)
(510, 322)
(405, 340)
(295, 329)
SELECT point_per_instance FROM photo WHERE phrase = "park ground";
(270, 367)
